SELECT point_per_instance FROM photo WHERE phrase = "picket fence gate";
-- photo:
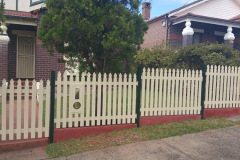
(22, 114)
(98, 99)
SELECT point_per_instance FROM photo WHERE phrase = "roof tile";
(20, 14)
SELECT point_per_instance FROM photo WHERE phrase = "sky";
(160, 7)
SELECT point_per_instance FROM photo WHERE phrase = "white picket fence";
(96, 99)
(22, 114)
(99, 99)
(171, 92)
(222, 87)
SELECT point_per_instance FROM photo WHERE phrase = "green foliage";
(190, 57)
(103, 34)
(2, 17)
(158, 57)
(194, 56)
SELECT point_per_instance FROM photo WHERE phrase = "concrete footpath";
(213, 144)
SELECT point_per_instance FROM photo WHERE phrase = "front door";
(25, 57)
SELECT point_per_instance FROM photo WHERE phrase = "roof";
(199, 18)
(236, 18)
(175, 10)
(26, 15)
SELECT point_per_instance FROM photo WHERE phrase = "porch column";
(187, 34)
(4, 39)
(229, 37)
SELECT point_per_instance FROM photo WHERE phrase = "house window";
(197, 38)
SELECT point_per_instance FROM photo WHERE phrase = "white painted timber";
(23, 5)
(222, 9)
(178, 92)
(22, 116)
(222, 87)
(103, 100)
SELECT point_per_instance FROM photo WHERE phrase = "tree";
(2, 17)
(102, 34)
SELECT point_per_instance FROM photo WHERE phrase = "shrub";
(190, 57)
(194, 56)
(159, 56)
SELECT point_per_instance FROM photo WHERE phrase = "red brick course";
(221, 112)
(172, 36)
(147, 121)
(69, 133)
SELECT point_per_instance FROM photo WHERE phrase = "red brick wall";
(12, 57)
(155, 35)
(46, 62)
(3, 61)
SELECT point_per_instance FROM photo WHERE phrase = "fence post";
(139, 79)
(204, 68)
(51, 125)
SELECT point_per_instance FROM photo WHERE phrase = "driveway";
(213, 144)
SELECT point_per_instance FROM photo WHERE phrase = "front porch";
(22, 55)
(193, 29)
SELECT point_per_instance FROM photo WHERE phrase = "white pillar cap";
(4, 37)
(229, 36)
(188, 31)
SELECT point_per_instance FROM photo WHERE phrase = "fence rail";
(22, 115)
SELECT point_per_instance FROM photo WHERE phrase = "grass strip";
(90, 143)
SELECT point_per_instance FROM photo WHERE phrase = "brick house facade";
(20, 59)
(196, 22)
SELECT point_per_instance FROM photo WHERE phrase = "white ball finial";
(4, 29)
(188, 23)
(188, 31)
(229, 30)
(3, 36)
(229, 36)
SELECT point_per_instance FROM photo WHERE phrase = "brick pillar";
(3, 61)
(230, 43)
(187, 34)
(4, 39)
(187, 40)
(229, 37)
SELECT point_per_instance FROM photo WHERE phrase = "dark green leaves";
(103, 35)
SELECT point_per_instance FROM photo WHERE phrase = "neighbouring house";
(199, 21)
(21, 53)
